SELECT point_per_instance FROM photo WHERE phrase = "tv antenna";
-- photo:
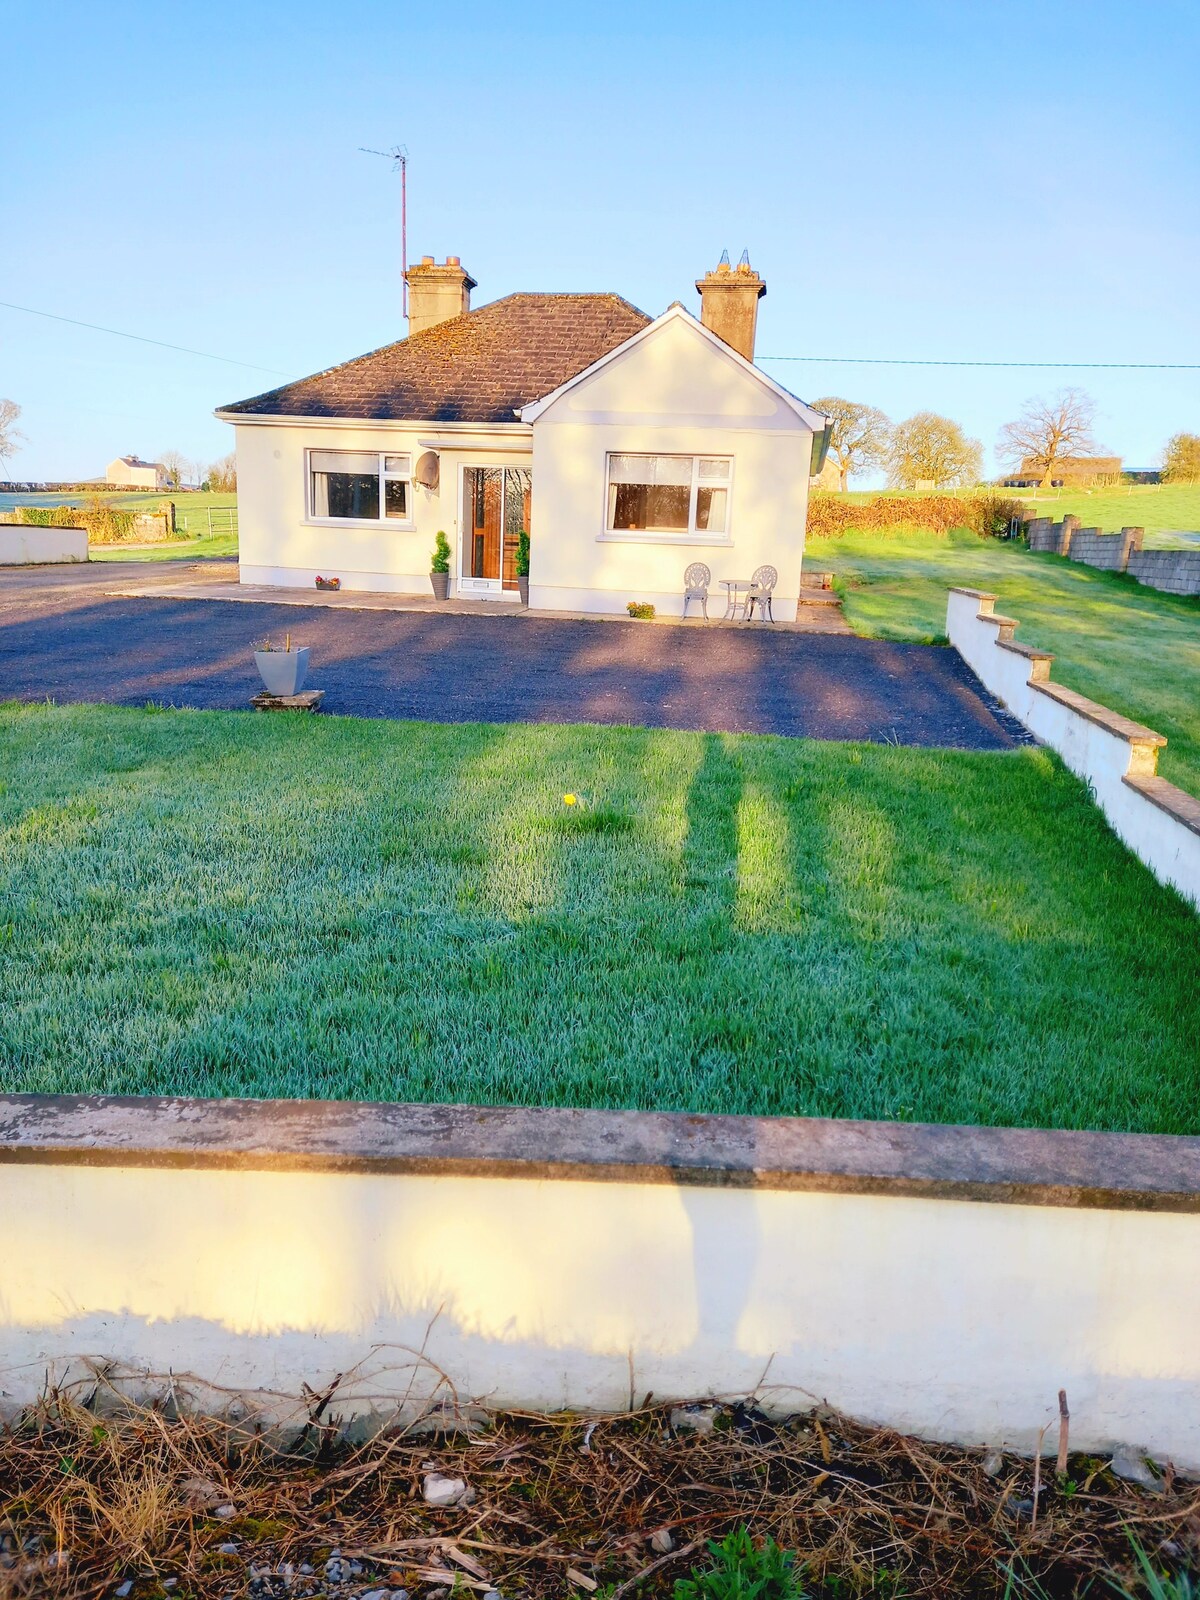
(398, 156)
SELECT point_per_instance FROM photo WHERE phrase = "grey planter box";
(441, 584)
(282, 671)
(523, 587)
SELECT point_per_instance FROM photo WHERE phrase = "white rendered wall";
(1159, 835)
(952, 1319)
(26, 546)
(670, 394)
(278, 544)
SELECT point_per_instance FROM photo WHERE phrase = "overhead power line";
(119, 333)
(1058, 366)
(833, 361)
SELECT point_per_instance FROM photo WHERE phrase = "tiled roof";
(480, 367)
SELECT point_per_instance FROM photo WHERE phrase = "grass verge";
(219, 544)
(219, 903)
(1131, 648)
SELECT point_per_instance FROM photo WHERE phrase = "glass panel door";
(479, 546)
(518, 489)
(495, 507)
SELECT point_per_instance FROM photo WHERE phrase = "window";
(677, 495)
(360, 486)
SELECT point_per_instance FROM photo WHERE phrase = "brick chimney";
(437, 293)
(729, 299)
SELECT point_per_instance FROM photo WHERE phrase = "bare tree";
(176, 465)
(933, 450)
(859, 435)
(222, 474)
(1181, 458)
(11, 437)
(1048, 432)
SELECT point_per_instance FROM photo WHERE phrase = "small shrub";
(742, 1571)
(523, 553)
(439, 561)
(641, 609)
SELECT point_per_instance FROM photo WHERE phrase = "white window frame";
(400, 524)
(691, 534)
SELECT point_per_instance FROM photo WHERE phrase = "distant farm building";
(131, 472)
(1076, 472)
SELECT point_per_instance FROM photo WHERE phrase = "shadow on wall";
(589, 1295)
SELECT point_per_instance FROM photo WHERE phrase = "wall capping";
(1183, 807)
(1135, 733)
(1106, 1171)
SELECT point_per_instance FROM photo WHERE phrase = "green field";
(1164, 510)
(1133, 649)
(191, 517)
(202, 903)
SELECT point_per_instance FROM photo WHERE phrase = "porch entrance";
(495, 508)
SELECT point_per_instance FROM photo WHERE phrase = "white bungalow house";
(627, 447)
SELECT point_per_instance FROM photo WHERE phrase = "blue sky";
(961, 181)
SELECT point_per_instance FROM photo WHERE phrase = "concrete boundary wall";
(946, 1281)
(1116, 757)
(1110, 552)
(29, 546)
(1173, 571)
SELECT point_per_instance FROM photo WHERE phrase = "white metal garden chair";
(695, 586)
(762, 587)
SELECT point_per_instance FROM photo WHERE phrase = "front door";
(495, 508)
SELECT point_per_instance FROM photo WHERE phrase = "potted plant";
(282, 669)
(523, 565)
(439, 567)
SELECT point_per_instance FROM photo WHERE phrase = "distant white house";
(626, 447)
(131, 472)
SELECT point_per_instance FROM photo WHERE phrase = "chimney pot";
(437, 293)
(729, 303)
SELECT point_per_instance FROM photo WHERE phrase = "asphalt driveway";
(72, 641)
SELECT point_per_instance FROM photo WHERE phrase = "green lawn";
(214, 902)
(1133, 649)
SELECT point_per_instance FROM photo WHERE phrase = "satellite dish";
(428, 470)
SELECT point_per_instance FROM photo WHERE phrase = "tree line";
(924, 449)
(929, 450)
(218, 476)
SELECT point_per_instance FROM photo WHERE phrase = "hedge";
(988, 515)
(104, 524)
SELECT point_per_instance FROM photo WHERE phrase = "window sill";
(616, 536)
(393, 523)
